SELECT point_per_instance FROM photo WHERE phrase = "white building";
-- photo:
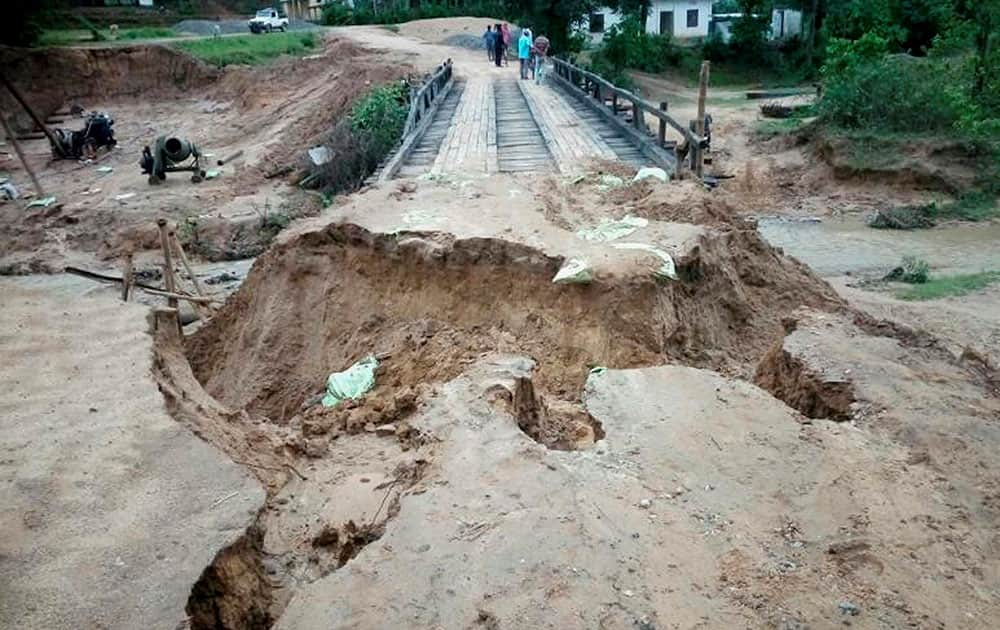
(785, 24)
(681, 19)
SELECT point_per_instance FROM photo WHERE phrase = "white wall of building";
(658, 20)
(679, 23)
(611, 18)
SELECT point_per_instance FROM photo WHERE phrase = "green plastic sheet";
(352, 383)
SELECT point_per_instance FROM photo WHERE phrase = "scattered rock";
(849, 608)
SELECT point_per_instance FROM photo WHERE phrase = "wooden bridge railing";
(423, 98)
(424, 102)
(600, 89)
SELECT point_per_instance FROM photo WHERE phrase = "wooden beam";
(20, 155)
(38, 121)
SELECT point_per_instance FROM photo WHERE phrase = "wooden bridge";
(496, 123)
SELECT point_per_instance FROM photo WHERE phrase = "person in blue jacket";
(490, 41)
(524, 51)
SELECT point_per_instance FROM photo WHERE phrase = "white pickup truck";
(267, 20)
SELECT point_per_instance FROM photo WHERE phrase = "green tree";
(750, 30)
(638, 8)
(553, 18)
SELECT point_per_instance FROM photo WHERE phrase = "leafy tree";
(638, 8)
(553, 18)
(750, 30)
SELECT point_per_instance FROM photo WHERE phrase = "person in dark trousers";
(524, 51)
(490, 41)
(498, 47)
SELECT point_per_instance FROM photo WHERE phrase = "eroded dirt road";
(732, 444)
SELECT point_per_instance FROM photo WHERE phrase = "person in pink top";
(505, 33)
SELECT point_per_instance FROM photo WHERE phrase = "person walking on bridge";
(498, 46)
(524, 51)
(490, 41)
(505, 33)
(541, 54)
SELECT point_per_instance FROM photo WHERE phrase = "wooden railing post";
(614, 103)
(700, 123)
(661, 136)
(637, 116)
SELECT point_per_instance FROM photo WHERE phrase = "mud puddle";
(835, 247)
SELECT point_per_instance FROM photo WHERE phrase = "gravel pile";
(227, 27)
(465, 40)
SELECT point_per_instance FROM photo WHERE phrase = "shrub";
(867, 89)
(360, 141)
(382, 115)
(915, 270)
(627, 45)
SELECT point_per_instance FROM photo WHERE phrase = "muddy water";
(839, 246)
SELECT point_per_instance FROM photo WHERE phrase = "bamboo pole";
(700, 123)
(20, 155)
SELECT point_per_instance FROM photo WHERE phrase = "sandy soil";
(737, 447)
(111, 509)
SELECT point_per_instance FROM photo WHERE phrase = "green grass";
(948, 286)
(71, 36)
(772, 128)
(146, 32)
(248, 49)
(64, 37)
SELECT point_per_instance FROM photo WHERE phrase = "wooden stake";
(20, 154)
(700, 123)
(168, 263)
(127, 276)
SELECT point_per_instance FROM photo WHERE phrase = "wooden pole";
(187, 265)
(127, 276)
(203, 311)
(20, 155)
(662, 134)
(168, 263)
(700, 123)
(38, 121)
(195, 299)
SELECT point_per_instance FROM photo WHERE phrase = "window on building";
(596, 22)
(692, 18)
